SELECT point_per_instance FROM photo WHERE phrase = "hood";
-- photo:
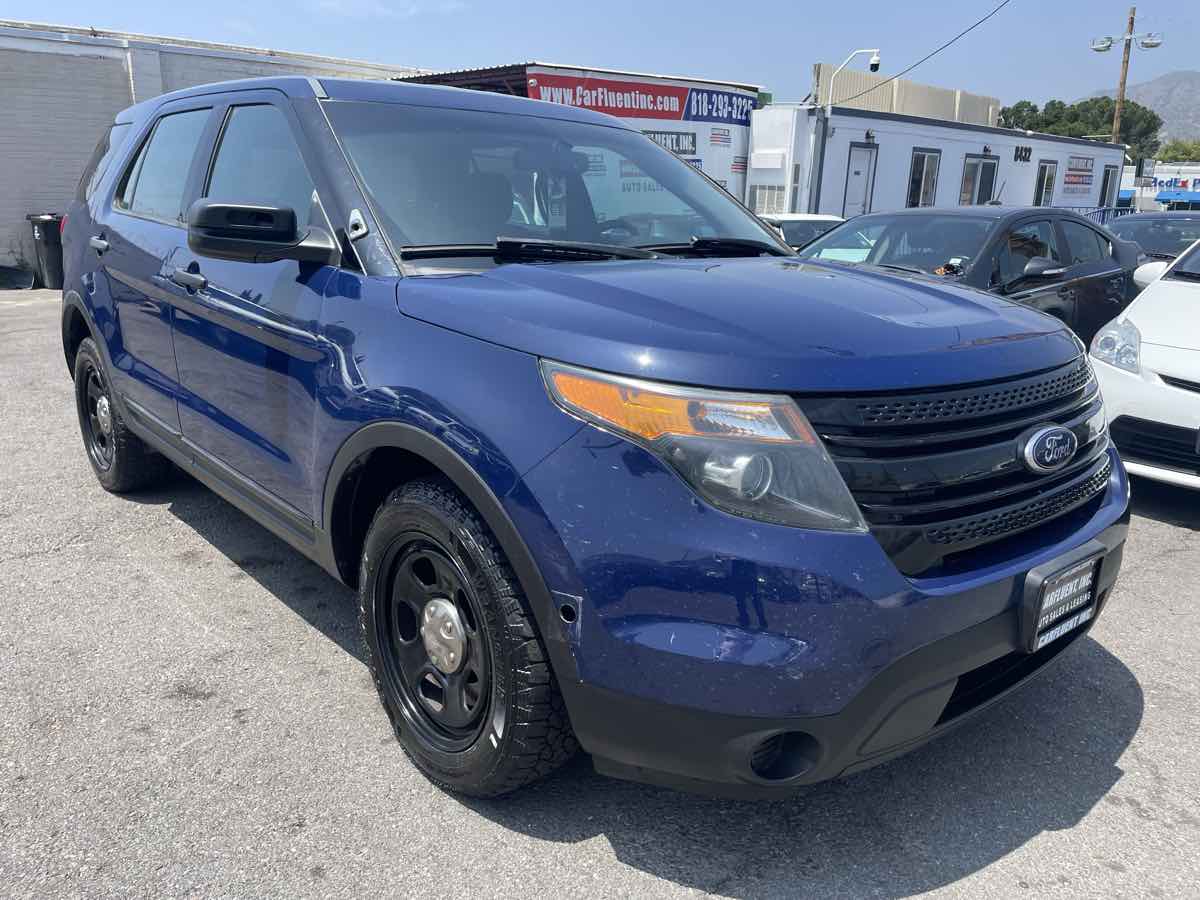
(766, 324)
(1159, 314)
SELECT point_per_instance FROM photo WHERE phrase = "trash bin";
(47, 243)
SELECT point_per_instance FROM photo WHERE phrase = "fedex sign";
(1176, 183)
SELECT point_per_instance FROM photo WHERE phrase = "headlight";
(752, 455)
(1119, 344)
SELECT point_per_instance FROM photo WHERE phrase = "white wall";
(1015, 180)
(60, 87)
(54, 108)
(779, 137)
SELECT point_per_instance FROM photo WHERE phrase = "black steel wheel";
(98, 433)
(121, 461)
(436, 656)
(454, 648)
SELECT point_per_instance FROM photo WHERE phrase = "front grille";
(971, 403)
(1035, 512)
(1157, 444)
(937, 473)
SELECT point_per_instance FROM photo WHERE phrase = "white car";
(1148, 363)
(799, 229)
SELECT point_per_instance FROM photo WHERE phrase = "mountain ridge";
(1175, 96)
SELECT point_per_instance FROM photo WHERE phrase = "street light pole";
(1116, 129)
(874, 51)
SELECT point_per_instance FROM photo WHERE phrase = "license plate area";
(1066, 601)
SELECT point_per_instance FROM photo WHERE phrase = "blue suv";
(608, 464)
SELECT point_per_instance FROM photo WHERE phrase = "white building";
(862, 160)
(61, 86)
(1164, 186)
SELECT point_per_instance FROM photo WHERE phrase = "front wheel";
(453, 648)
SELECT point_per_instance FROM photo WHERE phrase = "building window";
(767, 199)
(922, 178)
(796, 173)
(978, 181)
(1108, 186)
(1043, 191)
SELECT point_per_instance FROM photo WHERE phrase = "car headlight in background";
(1119, 344)
(753, 455)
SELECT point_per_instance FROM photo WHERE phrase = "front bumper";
(1146, 397)
(907, 704)
(703, 643)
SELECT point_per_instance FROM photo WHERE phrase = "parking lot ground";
(184, 709)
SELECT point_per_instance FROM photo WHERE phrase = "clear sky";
(1035, 49)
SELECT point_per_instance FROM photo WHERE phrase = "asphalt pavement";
(184, 710)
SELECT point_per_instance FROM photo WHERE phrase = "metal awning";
(1178, 197)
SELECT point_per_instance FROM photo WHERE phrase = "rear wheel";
(121, 461)
(453, 648)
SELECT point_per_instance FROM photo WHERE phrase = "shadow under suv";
(607, 463)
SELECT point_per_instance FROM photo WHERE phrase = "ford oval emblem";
(1048, 449)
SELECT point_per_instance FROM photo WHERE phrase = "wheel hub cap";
(443, 635)
(104, 415)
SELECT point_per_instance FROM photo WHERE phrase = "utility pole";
(1116, 132)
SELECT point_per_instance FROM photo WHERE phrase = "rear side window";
(102, 158)
(1086, 245)
(1023, 244)
(258, 161)
(155, 184)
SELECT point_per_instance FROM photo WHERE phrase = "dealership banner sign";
(1078, 179)
(707, 125)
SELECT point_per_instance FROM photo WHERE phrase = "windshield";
(1159, 235)
(938, 244)
(441, 177)
(801, 232)
(1188, 265)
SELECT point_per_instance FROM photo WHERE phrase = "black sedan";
(1052, 259)
(1161, 235)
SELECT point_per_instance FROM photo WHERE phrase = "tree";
(1022, 115)
(1139, 124)
(1180, 151)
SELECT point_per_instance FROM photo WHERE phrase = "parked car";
(1161, 235)
(726, 519)
(1051, 259)
(1148, 362)
(799, 229)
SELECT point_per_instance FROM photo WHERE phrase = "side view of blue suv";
(608, 464)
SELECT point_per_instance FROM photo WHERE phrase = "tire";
(121, 461)
(426, 548)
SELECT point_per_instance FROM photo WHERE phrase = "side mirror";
(251, 233)
(1148, 273)
(1042, 267)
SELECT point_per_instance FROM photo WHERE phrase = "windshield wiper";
(1158, 254)
(510, 249)
(899, 268)
(721, 246)
(1184, 273)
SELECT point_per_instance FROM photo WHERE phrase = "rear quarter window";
(106, 149)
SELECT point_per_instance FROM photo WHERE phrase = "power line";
(928, 57)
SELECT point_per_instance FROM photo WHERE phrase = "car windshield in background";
(933, 243)
(447, 177)
(1188, 266)
(1161, 236)
(801, 232)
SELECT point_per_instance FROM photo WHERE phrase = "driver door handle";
(98, 243)
(193, 281)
